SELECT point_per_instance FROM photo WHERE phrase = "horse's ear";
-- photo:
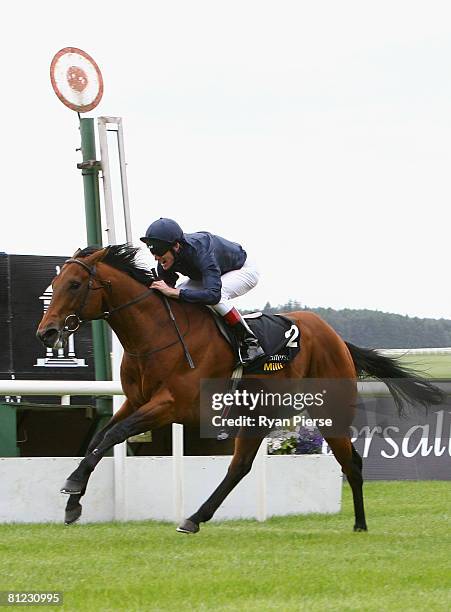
(103, 253)
(98, 255)
(77, 252)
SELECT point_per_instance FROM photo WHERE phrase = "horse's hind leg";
(73, 507)
(241, 464)
(351, 465)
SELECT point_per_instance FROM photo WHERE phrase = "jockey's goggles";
(157, 247)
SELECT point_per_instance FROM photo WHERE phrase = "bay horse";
(159, 386)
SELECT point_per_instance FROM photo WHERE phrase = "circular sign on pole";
(76, 79)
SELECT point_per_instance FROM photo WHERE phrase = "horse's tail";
(405, 385)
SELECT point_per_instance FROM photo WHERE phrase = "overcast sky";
(317, 134)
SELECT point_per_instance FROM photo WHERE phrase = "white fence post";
(120, 456)
(177, 470)
(260, 467)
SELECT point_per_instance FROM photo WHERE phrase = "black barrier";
(24, 295)
(415, 447)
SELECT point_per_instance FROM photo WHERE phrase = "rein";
(107, 313)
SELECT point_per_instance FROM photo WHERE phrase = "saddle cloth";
(278, 335)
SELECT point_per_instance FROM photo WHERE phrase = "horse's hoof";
(358, 528)
(71, 516)
(188, 527)
(72, 487)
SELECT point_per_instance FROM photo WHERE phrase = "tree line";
(376, 329)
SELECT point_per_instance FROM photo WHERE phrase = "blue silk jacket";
(204, 257)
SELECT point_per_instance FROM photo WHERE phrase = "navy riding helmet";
(161, 235)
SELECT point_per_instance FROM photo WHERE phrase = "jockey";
(218, 270)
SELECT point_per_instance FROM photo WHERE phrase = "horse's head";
(78, 292)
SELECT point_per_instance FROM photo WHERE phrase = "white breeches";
(234, 284)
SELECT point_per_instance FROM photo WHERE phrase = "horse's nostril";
(49, 336)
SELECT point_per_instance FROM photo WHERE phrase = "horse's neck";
(133, 326)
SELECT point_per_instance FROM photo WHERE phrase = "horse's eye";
(75, 285)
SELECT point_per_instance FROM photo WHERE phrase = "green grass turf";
(432, 366)
(309, 562)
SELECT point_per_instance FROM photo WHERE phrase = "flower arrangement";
(282, 442)
(302, 441)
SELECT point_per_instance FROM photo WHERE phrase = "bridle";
(77, 316)
(106, 314)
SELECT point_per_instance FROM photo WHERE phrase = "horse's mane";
(123, 257)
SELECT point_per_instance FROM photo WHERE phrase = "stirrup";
(249, 350)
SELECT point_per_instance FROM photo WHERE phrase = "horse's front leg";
(73, 507)
(124, 423)
(241, 464)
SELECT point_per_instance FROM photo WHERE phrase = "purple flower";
(309, 442)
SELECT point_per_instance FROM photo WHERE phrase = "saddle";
(278, 335)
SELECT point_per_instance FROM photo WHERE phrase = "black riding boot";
(248, 345)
